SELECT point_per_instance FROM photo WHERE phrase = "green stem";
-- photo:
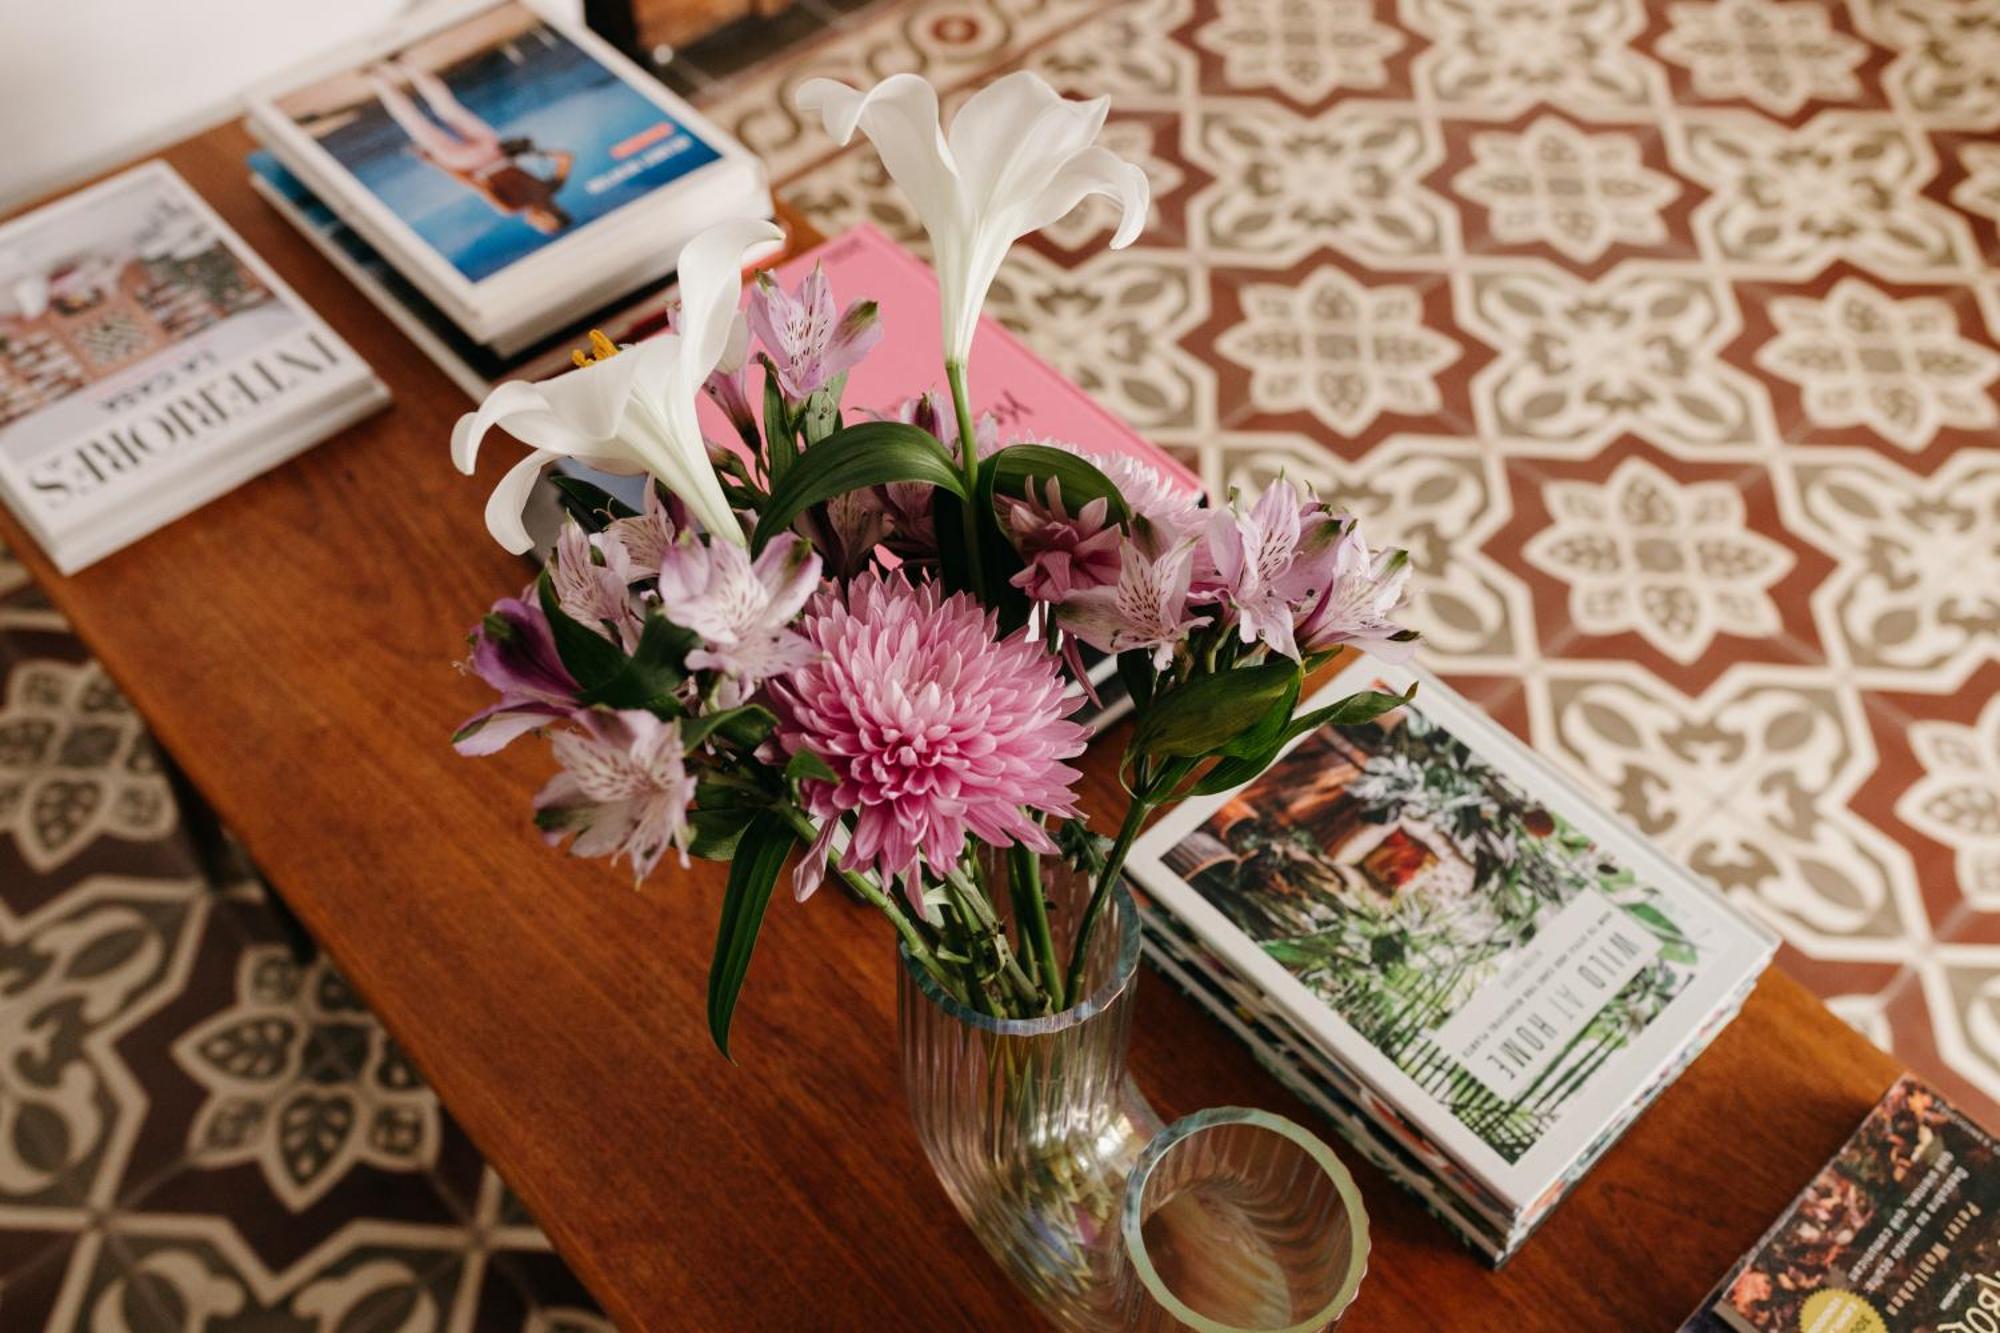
(913, 939)
(1031, 909)
(973, 906)
(1135, 817)
(968, 459)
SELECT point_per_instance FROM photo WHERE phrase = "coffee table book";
(149, 362)
(512, 166)
(1479, 975)
(1900, 1233)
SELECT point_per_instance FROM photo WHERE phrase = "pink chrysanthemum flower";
(935, 730)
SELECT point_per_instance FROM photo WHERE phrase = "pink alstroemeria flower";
(592, 580)
(807, 342)
(1063, 555)
(1356, 591)
(624, 789)
(1148, 605)
(742, 610)
(1253, 558)
(645, 537)
(514, 651)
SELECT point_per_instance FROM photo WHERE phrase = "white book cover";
(147, 356)
(503, 158)
(1498, 959)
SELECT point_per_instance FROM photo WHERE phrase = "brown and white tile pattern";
(1666, 335)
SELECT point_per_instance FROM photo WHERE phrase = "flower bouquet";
(852, 635)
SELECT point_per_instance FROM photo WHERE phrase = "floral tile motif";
(1748, 783)
(1901, 368)
(1302, 49)
(1285, 185)
(1112, 325)
(1499, 60)
(1957, 801)
(76, 764)
(1581, 193)
(271, 1103)
(1915, 599)
(1844, 185)
(1674, 562)
(1775, 54)
(1346, 353)
(1637, 351)
(1947, 67)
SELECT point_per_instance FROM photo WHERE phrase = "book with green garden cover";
(1899, 1233)
(1497, 971)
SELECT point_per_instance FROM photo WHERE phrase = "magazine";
(149, 360)
(1900, 1233)
(506, 161)
(1492, 961)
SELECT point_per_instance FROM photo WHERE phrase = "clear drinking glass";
(1229, 1219)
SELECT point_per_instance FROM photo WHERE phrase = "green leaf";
(1250, 753)
(819, 416)
(1012, 468)
(869, 453)
(589, 657)
(781, 448)
(1199, 718)
(717, 833)
(649, 676)
(1356, 708)
(591, 506)
(805, 766)
(760, 854)
(747, 726)
(1136, 669)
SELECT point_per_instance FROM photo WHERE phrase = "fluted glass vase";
(1227, 1220)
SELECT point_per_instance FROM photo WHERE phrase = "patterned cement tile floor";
(1665, 336)
(201, 1128)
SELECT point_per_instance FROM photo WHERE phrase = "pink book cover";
(1027, 395)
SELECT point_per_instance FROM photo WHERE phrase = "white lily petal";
(1019, 156)
(737, 349)
(591, 399)
(711, 283)
(504, 401)
(1094, 170)
(900, 117)
(510, 497)
(1014, 133)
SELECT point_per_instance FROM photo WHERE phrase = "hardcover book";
(1900, 1233)
(1451, 938)
(511, 165)
(149, 360)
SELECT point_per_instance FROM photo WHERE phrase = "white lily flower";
(629, 410)
(1019, 157)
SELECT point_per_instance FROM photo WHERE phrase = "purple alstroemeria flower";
(1147, 607)
(742, 610)
(807, 342)
(624, 789)
(514, 651)
(1253, 563)
(1356, 592)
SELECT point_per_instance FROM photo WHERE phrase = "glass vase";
(1107, 1218)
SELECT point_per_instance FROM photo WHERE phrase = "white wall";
(85, 84)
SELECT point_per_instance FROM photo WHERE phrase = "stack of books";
(1899, 1233)
(1428, 934)
(506, 177)
(149, 362)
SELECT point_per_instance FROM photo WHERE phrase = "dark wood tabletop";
(293, 646)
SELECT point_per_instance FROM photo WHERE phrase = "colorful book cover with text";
(1900, 1233)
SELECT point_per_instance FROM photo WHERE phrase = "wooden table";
(293, 647)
